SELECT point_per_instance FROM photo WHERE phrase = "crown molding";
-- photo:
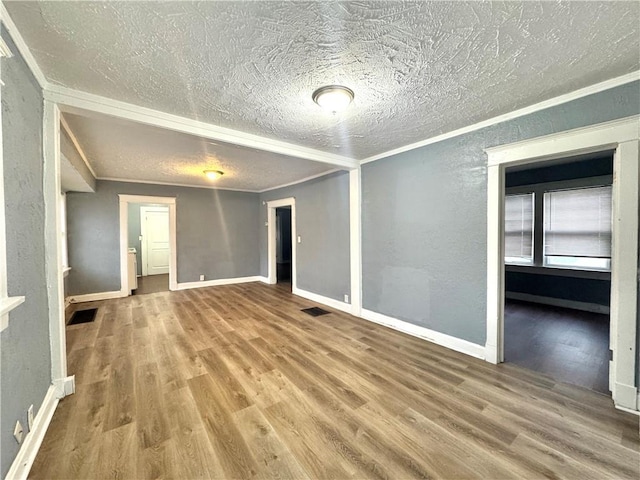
(76, 144)
(76, 101)
(302, 180)
(568, 97)
(170, 184)
(22, 47)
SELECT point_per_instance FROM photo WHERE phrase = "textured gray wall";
(217, 234)
(322, 220)
(135, 232)
(68, 149)
(25, 350)
(424, 218)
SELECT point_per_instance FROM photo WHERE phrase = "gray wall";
(24, 349)
(424, 218)
(217, 234)
(322, 220)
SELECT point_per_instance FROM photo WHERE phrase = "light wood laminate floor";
(236, 382)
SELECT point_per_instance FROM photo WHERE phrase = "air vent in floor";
(83, 316)
(315, 311)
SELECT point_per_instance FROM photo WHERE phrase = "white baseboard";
(65, 386)
(215, 283)
(329, 302)
(264, 280)
(26, 455)
(442, 339)
(558, 302)
(94, 297)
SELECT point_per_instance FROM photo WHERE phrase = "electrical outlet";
(18, 432)
(201, 278)
(299, 239)
(346, 298)
(30, 417)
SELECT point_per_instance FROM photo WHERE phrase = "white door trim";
(622, 137)
(143, 227)
(125, 200)
(271, 240)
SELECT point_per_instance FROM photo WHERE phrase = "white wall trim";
(302, 180)
(22, 47)
(27, 454)
(553, 102)
(271, 240)
(76, 144)
(559, 302)
(65, 386)
(355, 239)
(622, 136)
(79, 102)
(94, 297)
(442, 339)
(125, 200)
(54, 268)
(221, 281)
(329, 302)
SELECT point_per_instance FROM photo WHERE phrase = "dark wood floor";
(152, 284)
(236, 382)
(569, 345)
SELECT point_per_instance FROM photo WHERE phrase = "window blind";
(518, 227)
(577, 223)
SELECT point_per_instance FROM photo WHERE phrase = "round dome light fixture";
(334, 98)
(213, 174)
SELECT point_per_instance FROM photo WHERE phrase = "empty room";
(274, 239)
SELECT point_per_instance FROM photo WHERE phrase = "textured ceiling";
(417, 68)
(121, 149)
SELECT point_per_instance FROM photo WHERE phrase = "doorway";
(282, 242)
(557, 238)
(621, 137)
(283, 245)
(148, 261)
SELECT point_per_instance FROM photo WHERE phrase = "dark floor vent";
(315, 311)
(83, 316)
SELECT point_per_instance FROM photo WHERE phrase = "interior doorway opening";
(283, 246)
(557, 237)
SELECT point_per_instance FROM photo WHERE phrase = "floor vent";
(83, 316)
(315, 311)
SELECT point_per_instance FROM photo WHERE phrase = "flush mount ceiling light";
(213, 174)
(334, 98)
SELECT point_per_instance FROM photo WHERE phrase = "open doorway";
(557, 238)
(283, 246)
(621, 137)
(281, 239)
(148, 257)
(149, 248)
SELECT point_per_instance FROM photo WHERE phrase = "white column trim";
(355, 239)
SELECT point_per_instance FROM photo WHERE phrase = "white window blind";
(518, 228)
(577, 223)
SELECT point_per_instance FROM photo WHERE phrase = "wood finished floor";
(569, 345)
(152, 284)
(236, 382)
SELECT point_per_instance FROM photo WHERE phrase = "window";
(518, 228)
(577, 228)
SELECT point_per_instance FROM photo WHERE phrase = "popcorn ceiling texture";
(128, 150)
(417, 68)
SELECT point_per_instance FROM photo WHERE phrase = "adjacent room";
(391, 239)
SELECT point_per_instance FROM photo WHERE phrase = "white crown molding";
(75, 101)
(170, 184)
(568, 97)
(22, 47)
(76, 144)
(302, 180)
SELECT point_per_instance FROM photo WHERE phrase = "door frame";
(271, 240)
(622, 137)
(144, 253)
(125, 200)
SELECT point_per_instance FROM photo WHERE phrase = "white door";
(155, 240)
